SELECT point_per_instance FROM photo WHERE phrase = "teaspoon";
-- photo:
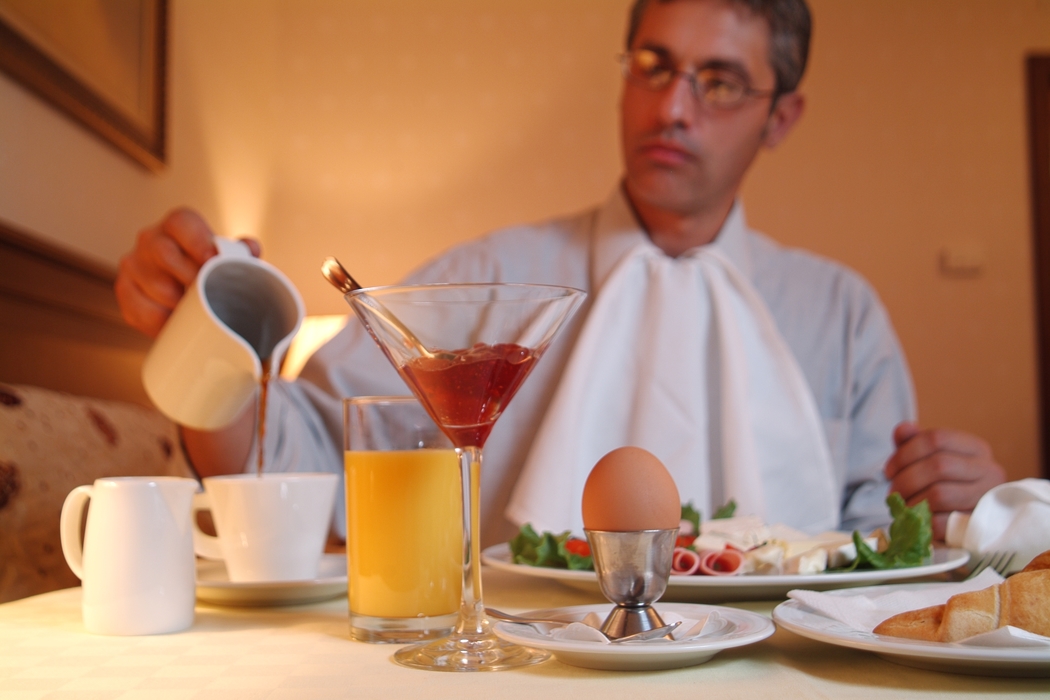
(339, 278)
(335, 273)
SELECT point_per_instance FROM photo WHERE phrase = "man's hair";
(789, 28)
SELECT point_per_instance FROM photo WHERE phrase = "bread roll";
(1023, 601)
(971, 613)
(1026, 601)
(924, 624)
(1040, 562)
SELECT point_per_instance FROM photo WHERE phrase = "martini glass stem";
(472, 609)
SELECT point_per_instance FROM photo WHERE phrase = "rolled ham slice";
(684, 562)
(721, 562)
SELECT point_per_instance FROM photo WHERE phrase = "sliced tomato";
(684, 540)
(580, 547)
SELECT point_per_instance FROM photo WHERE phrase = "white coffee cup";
(206, 364)
(136, 561)
(271, 527)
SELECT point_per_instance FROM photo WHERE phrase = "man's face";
(682, 157)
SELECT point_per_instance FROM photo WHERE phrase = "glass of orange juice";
(404, 529)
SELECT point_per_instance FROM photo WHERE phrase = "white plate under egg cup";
(739, 628)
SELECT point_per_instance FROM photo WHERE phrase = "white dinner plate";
(741, 627)
(937, 656)
(724, 589)
(215, 587)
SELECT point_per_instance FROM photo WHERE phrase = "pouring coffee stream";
(339, 278)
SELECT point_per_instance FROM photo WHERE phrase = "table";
(305, 652)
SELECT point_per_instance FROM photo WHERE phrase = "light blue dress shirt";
(829, 316)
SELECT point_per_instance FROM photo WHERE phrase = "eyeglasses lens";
(710, 86)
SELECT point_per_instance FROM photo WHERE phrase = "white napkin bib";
(680, 356)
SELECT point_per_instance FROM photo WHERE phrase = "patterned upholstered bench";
(50, 443)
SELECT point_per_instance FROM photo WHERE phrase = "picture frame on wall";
(1038, 72)
(102, 63)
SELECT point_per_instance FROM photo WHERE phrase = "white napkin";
(1014, 516)
(1008, 636)
(863, 611)
(660, 332)
(586, 630)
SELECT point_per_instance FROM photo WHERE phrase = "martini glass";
(464, 351)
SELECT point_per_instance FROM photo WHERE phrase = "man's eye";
(717, 88)
(655, 70)
(720, 87)
(647, 63)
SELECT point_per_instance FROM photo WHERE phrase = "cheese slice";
(814, 561)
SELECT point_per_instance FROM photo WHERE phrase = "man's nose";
(677, 104)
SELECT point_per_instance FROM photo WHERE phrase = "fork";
(998, 561)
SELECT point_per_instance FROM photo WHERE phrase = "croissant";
(1023, 601)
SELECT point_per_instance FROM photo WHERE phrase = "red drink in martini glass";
(464, 350)
(465, 390)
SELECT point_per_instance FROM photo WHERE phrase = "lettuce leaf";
(547, 549)
(911, 538)
(725, 511)
(573, 561)
(692, 515)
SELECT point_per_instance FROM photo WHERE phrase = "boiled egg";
(629, 490)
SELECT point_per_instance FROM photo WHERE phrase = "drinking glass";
(403, 525)
(464, 351)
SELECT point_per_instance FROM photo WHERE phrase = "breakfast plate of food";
(985, 625)
(1006, 660)
(737, 558)
(721, 589)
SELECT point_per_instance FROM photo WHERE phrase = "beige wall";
(915, 140)
(382, 131)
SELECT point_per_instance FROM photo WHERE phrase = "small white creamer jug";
(136, 562)
(207, 362)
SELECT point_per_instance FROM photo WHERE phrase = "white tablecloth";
(304, 652)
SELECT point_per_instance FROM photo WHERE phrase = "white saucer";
(215, 587)
(741, 628)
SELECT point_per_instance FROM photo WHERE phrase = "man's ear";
(786, 112)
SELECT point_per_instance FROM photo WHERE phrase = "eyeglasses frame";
(625, 61)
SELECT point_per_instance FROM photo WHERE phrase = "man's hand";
(949, 468)
(153, 277)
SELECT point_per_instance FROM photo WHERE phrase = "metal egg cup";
(632, 568)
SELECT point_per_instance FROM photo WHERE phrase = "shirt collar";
(617, 231)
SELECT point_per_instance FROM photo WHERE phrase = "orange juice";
(404, 539)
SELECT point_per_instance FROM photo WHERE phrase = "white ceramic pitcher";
(206, 364)
(136, 561)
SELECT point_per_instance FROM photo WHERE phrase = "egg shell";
(629, 490)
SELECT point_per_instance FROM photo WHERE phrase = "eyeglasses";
(713, 87)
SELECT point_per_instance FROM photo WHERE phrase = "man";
(755, 372)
